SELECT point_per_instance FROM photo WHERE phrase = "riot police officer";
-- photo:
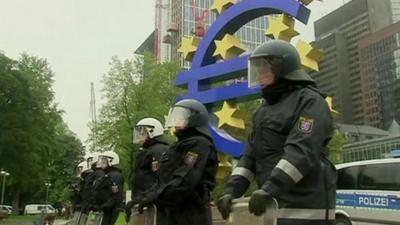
(148, 133)
(108, 190)
(286, 151)
(188, 169)
(76, 189)
(81, 192)
(89, 182)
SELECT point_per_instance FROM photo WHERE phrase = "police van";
(368, 192)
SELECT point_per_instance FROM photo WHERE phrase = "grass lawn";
(20, 217)
(19, 220)
(121, 219)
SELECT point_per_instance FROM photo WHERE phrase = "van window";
(347, 178)
(380, 177)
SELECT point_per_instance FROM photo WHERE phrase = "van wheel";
(342, 220)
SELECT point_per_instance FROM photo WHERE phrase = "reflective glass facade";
(380, 76)
(184, 14)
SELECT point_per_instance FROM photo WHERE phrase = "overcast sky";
(78, 38)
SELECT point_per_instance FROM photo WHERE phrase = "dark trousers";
(110, 216)
(162, 218)
(188, 215)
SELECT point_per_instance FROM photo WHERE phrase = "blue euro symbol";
(205, 70)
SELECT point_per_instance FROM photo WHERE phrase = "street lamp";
(3, 173)
(47, 184)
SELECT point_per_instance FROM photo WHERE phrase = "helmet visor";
(178, 117)
(139, 134)
(263, 70)
(259, 71)
(103, 162)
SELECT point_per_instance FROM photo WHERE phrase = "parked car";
(33, 209)
(6, 209)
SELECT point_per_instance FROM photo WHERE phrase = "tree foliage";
(335, 147)
(133, 89)
(35, 144)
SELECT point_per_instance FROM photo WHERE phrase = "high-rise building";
(395, 5)
(380, 76)
(163, 12)
(338, 35)
(154, 42)
(182, 21)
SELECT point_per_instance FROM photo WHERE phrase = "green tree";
(133, 89)
(335, 147)
(33, 137)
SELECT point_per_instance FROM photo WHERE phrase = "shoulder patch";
(191, 158)
(114, 189)
(155, 166)
(305, 124)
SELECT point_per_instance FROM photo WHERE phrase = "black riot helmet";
(282, 57)
(189, 113)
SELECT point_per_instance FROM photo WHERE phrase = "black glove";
(224, 205)
(129, 205)
(148, 198)
(141, 208)
(106, 206)
(94, 208)
(259, 201)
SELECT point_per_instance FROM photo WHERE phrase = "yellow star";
(330, 105)
(219, 6)
(231, 116)
(281, 28)
(224, 166)
(306, 2)
(188, 47)
(229, 47)
(310, 56)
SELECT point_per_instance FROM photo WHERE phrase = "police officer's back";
(287, 150)
(187, 172)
